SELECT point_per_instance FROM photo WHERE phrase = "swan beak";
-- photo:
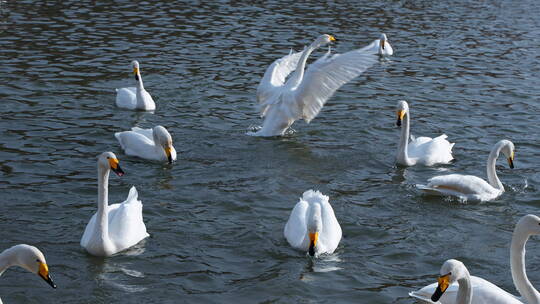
(400, 115)
(444, 282)
(313, 238)
(115, 166)
(136, 72)
(511, 161)
(332, 38)
(168, 153)
(383, 42)
(44, 274)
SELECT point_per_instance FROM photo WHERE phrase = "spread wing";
(274, 78)
(325, 76)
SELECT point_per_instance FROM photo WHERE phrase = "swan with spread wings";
(304, 93)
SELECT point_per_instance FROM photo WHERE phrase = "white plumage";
(470, 187)
(380, 47)
(313, 214)
(303, 95)
(135, 98)
(116, 227)
(422, 150)
(152, 144)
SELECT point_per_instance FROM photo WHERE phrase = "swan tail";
(312, 196)
(133, 195)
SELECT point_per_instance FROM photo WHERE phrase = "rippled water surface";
(468, 69)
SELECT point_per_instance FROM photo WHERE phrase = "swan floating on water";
(304, 94)
(469, 186)
(114, 227)
(135, 98)
(380, 47)
(457, 286)
(312, 225)
(153, 144)
(421, 150)
(27, 257)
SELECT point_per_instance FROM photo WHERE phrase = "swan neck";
(140, 85)
(103, 202)
(491, 172)
(517, 267)
(298, 74)
(7, 259)
(403, 154)
(464, 295)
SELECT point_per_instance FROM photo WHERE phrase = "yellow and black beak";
(444, 282)
(511, 161)
(313, 238)
(44, 274)
(332, 38)
(400, 115)
(115, 166)
(136, 72)
(168, 153)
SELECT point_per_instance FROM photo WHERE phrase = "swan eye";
(108, 157)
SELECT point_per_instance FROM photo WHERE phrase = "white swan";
(312, 225)
(460, 285)
(114, 227)
(380, 47)
(469, 186)
(135, 98)
(153, 144)
(304, 94)
(27, 257)
(421, 150)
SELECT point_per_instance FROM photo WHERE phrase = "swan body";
(471, 187)
(312, 225)
(135, 98)
(27, 257)
(152, 144)
(465, 289)
(380, 47)
(304, 93)
(114, 227)
(422, 150)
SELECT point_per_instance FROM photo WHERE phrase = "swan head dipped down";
(31, 259)
(314, 227)
(507, 148)
(402, 110)
(136, 71)
(451, 271)
(107, 160)
(163, 139)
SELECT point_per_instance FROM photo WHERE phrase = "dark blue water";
(216, 216)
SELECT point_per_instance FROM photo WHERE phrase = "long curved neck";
(464, 295)
(517, 266)
(8, 258)
(102, 218)
(403, 154)
(298, 74)
(491, 173)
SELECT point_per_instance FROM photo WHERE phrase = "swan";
(472, 187)
(114, 227)
(304, 94)
(135, 98)
(27, 257)
(153, 144)
(482, 290)
(422, 150)
(380, 47)
(312, 225)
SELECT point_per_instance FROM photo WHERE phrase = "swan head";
(508, 150)
(31, 259)
(383, 39)
(530, 224)
(108, 161)
(163, 138)
(402, 109)
(136, 72)
(451, 271)
(324, 40)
